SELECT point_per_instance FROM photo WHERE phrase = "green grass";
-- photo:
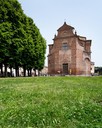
(51, 102)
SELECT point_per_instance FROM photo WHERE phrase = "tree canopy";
(21, 43)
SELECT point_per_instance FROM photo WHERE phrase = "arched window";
(64, 46)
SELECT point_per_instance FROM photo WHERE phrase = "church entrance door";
(65, 68)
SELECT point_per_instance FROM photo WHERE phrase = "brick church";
(70, 53)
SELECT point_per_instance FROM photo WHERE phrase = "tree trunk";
(38, 73)
(30, 72)
(5, 70)
(35, 72)
(24, 70)
(1, 67)
(11, 73)
(17, 71)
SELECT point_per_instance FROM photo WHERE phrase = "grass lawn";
(51, 102)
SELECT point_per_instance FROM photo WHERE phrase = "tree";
(5, 40)
(98, 70)
(11, 24)
(35, 45)
(40, 49)
(21, 44)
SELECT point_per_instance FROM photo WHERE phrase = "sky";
(84, 15)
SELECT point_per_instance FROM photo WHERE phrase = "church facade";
(70, 54)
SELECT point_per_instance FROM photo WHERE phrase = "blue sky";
(84, 15)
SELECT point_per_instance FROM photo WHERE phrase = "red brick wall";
(77, 56)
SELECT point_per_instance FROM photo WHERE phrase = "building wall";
(69, 52)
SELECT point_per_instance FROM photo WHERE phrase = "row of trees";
(98, 70)
(21, 43)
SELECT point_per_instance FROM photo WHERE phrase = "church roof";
(65, 27)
